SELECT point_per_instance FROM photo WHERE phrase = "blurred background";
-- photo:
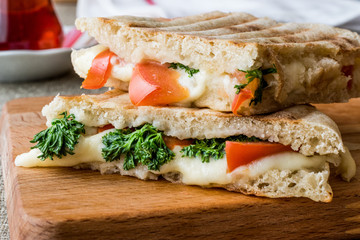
(46, 69)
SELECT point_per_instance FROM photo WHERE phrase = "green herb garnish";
(188, 70)
(212, 148)
(143, 145)
(59, 139)
(250, 76)
(205, 149)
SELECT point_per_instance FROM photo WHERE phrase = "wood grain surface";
(63, 203)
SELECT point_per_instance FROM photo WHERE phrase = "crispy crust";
(273, 183)
(223, 42)
(302, 127)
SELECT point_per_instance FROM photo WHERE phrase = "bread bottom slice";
(284, 174)
(274, 183)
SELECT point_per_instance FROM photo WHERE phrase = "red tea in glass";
(29, 24)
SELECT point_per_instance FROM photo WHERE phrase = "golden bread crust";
(302, 127)
(308, 57)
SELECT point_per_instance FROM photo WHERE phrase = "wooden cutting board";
(63, 203)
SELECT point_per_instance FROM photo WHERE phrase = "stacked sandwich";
(213, 100)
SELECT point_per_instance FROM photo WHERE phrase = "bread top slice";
(312, 60)
(303, 127)
(217, 41)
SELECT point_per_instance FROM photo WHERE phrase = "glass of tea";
(29, 24)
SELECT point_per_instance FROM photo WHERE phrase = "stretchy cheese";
(193, 170)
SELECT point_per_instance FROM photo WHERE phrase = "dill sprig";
(188, 70)
(250, 76)
(213, 148)
(144, 145)
(59, 139)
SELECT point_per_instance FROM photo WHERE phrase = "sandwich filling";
(151, 83)
(197, 162)
(194, 171)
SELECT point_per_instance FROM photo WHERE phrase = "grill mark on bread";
(243, 28)
(242, 32)
(249, 26)
(234, 27)
(150, 23)
(274, 31)
(304, 36)
(226, 51)
(208, 24)
(287, 37)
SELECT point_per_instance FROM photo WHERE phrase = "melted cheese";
(282, 161)
(196, 84)
(347, 167)
(195, 172)
(192, 169)
(87, 150)
(83, 61)
(120, 70)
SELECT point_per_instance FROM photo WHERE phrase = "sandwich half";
(223, 61)
(284, 154)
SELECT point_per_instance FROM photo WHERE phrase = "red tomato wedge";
(154, 84)
(245, 94)
(104, 128)
(171, 142)
(240, 98)
(240, 153)
(99, 71)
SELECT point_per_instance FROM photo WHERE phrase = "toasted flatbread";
(304, 172)
(299, 126)
(315, 63)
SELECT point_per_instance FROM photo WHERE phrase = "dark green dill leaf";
(259, 92)
(205, 149)
(188, 70)
(243, 138)
(269, 70)
(212, 148)
(250, 76)
(240, 86)
(59, 139)
(144, 145)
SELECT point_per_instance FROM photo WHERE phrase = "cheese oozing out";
(121, 71)
(193, 171)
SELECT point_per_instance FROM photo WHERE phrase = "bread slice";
(303, 127)
(311, 59)
(303, 173)
(274, 183)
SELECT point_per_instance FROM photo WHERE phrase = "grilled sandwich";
(284, 154)
(223, 61)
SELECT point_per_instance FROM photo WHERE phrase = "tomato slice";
(245, 94)
(171, 142)
(99, 71)
(154, 84)
(104, 128)
(243, 153)
(240, 98)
